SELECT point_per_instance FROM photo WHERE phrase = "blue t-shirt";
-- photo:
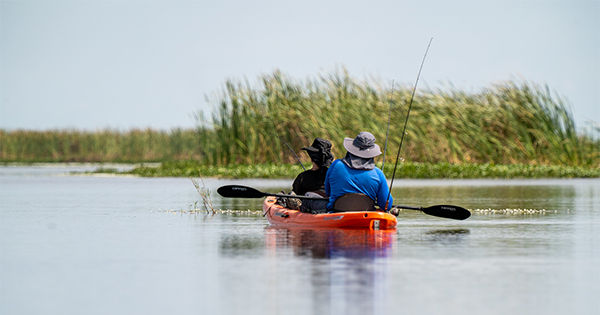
(341, 180)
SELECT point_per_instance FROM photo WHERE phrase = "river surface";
(127, 245)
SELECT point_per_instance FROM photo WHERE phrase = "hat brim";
(311, 148)
(366, 154)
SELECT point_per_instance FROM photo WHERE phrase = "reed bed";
(508, 123)
(137, 145)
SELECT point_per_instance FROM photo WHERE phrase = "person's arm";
(327, 182)
(296, 184)
(383, 192)
(327, 186)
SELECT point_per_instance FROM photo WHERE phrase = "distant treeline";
(508, 123)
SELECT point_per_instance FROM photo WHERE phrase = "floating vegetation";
(488, 211)
(515, 211)
(507, 211)
(247, 212)
(192, 168)
(408, 170)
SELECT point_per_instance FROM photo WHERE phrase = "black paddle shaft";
(444, 211)
(237, 191)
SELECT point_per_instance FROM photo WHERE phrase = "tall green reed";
(137, 145)
(508, 123)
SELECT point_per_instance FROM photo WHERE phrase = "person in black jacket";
(311, 182)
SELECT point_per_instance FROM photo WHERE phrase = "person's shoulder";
(336, 162)
(306, 173)
(334, 168)
(379, 172)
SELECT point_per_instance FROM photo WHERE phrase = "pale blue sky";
(126, 64)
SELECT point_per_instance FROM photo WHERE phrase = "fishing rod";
(388, 127)
(297, 158)
(406, 123)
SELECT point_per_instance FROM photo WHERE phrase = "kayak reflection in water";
(311, 182)
(327, 243)
(346, 269)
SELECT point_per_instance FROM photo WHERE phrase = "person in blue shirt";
(357, 173)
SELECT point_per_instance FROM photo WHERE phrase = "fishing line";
(388, 127)
(297, 158)
(406, 123)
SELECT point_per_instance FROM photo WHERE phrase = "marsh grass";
(137, 145)
(409, 170)
(508, 123)
(205, 194)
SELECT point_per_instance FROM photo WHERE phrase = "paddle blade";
(447, 211)
(237, 191)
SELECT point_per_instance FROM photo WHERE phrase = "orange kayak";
(376, 220)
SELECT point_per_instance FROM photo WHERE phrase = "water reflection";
(445, 236)
(347, 269)
(491, 196)
(240, 245)
(237, 204)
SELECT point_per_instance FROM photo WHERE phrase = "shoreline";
(91, 170)
(406, 170)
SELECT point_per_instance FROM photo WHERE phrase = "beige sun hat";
(363, 145)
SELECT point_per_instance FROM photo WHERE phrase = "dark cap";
(320, 152)
(319, 145)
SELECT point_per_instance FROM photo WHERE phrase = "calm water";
(125, 245)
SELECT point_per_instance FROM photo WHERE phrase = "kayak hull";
(376, 220)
